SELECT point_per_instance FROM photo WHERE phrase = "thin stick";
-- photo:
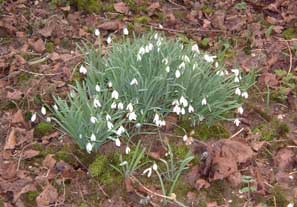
(291, 57)
(40, 74)
(34, 62)
(237, 133)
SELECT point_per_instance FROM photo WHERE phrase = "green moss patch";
(290, 33)
(43, 129)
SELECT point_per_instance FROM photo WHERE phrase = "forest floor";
(39, 58)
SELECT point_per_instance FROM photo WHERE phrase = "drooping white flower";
(209, 58)
(191, 109)
(117, 142)
(48, 119)
(93, 138)
(182, 65)
(216, 64)
(125, 31)
(132, 116)
(186, 58)
(150, 46)
(177, 109)
(177, 74)
(108, 117)
(175, 102)
(141, 51)
(138, 57)
(129, 107)
(235, 71)
(109, 84)
(120, 106)
(43, 110)
(156, 36)
(97, 88)
(245, 95)
(185, 138)
(83, 70)
(120, 130)
(236, 79)
(134, 82)
(220, 73)
(165, 61)
(127, 150)
(237, 122)
(155, 167)
(33, 117)
(237, 91)
(109, 125)
(183, 101)
(123, 163)
(115, 94)
(195, 48)
(290, 205)
(89, 147)
(113, 105)
(240, 110)
(96, 103)
(156, 118)
(93, 119)
(147, 171)
(55, 107)
(204, 102)
(167, 69)
(97, 32)
(108, 40)
(183, 111)
(161, 26)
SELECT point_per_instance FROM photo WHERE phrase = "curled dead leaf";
(121, 7)
(11, 140)
(111, 25)
(48, 196)
(28, 154)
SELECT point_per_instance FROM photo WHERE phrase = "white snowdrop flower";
(245, 95)
(291, 177)
(183, 101)
(220, 73)
(72, 94)
(127, 150)
(156, 118)
(195, 48)
(120, 106)
(147, 171)
(89, 147)
(108, 117)
(216, 64)
(204, 102)
(141, 51)
(191, 109)
(185, 138)
(159, 43)
(240, 110)
(113, 105)
(109, 84)
(48, 119)
(236, 79)
(237, 122)
(43, 110)
(186, 58)
(115, 94)
(132, 116)
(96, 103)
(165, 61)
(93, 138)
(134, 82)
(93, 119)
(150, 46)
(155, 167)
(55, 107)
(97, 88)
(183, 111)
(161, 26)
(161, 123)
(156, 36)
(181, 46)
(97, 32)
(177, 74)
(80, 136)
(290, 205)
(120, 130)
(109, 125)
(237, 91)
(175, 102)
(123, 163)
(167, 69)
(129, 107)
(108, 40)
(177, 109)
(118, 142)
(209, 58)
(33, 117)
(138, 57)
(83, 70)
(235, 71)
(182, 65)
(125, 31)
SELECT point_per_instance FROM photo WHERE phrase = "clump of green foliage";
(290, 33)
(272, 130)
(43, 128)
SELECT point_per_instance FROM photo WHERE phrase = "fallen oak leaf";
(111, 25)
(121, 7)
(11, 140)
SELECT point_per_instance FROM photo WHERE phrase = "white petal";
(89, 147)
(240, 110)
(48, 119)
(245, 95)
(129, 107)
(43, 110)
(109, 125)
(123, 163)
(118, 142)
(235, 71)
(97, 32)
(134, 82)
(120, 106)
(167, 69)
(125, 31)
(177, 74)
(191, 109)
(115, 94)
(237, 91)
(93, 138)
(96, 103)
(109, 84)
(33, 117)
(108, 117)
(165, 61)
(155, 167)
(108, 40)
(204, 102)
(195, 48)
(182, 66)
(55, 107)
(237, 122)
(93, 119)
(127, 150)
(83, 70)
(185, 138)
(97, 88)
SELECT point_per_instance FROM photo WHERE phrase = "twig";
(40, 74)
(34, 62)
(20, 158)
(237, 133)
(176, 4)
(291, 57)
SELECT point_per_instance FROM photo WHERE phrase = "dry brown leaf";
(129, 185)
(47, 30)
(49, 161)
(121, 7)
(15, 95)
(48, 196)
(18, 117)
(285, 159)
(30, 154)
(38, 45)
(11, 140)
(111, 25)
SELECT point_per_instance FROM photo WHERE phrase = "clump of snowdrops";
(139, 82)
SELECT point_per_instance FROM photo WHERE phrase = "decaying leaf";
(48, 196)
(11, 140)
(121, 7)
